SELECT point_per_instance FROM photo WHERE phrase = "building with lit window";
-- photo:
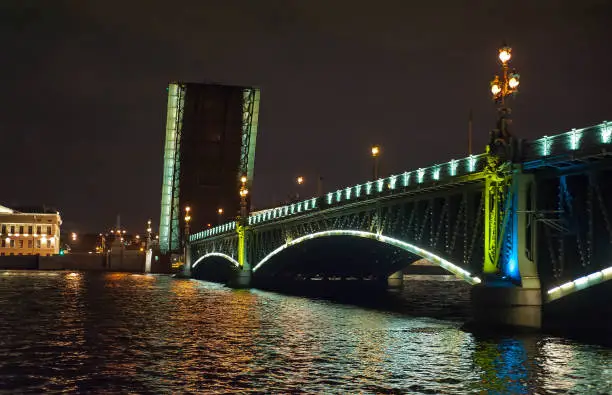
(31, 231)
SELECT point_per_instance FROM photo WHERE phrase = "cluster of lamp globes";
(509, 82)
(243, 189)
(187, 214)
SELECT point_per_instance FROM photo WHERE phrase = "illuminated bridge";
(526, 224)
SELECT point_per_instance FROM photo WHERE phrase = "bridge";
(525, 223)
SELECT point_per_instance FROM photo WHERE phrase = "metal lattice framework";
(449, 225)
(227, 245)
(169, 232)
(576, 229)
(543, 215)
(250, 120)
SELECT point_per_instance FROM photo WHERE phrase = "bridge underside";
(336, 257)
(215, 268)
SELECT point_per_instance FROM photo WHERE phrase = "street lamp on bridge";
(186, 239)
(299, 181)
(502, 86)
(148, 234)
(375, 155)
(244, 192)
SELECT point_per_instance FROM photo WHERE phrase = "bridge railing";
(565, 145)
(217, 230)
(397, 183)
(416, 179)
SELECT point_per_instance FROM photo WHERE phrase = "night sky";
(83, 99)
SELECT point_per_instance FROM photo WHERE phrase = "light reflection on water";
(116, 332)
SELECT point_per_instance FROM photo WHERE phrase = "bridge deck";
(565, 149)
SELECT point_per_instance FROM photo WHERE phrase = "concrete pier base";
(241, 280)
(507, 306)
(396, 280)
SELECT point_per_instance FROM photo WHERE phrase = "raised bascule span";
(211, 131)
(528, 226)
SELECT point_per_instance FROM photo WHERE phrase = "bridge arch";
(218, 255)
(434, 258)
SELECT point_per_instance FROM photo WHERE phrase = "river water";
(125, 333)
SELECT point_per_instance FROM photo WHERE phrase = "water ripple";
(119, 333)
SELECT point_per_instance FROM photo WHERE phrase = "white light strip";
(217, 254)
(579, 284)
(456, 270)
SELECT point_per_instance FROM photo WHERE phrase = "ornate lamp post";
(375, 155)
(241, 228)
(299, 181)
(220, 212)
(244, 192)
(502, 86)
(500, 150)
(148, 234)
(186, 239)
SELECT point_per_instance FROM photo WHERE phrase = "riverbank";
(131, 261)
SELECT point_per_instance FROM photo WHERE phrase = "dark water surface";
(120, 333)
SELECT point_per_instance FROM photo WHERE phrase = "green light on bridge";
(436, 173)
(420, 175)
(406, 178)
(575, 136)
(453, 167)
(471, 163)
(606, 133)
(545, 146)
(392, 182)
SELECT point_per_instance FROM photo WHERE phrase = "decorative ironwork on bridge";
(482, 214)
